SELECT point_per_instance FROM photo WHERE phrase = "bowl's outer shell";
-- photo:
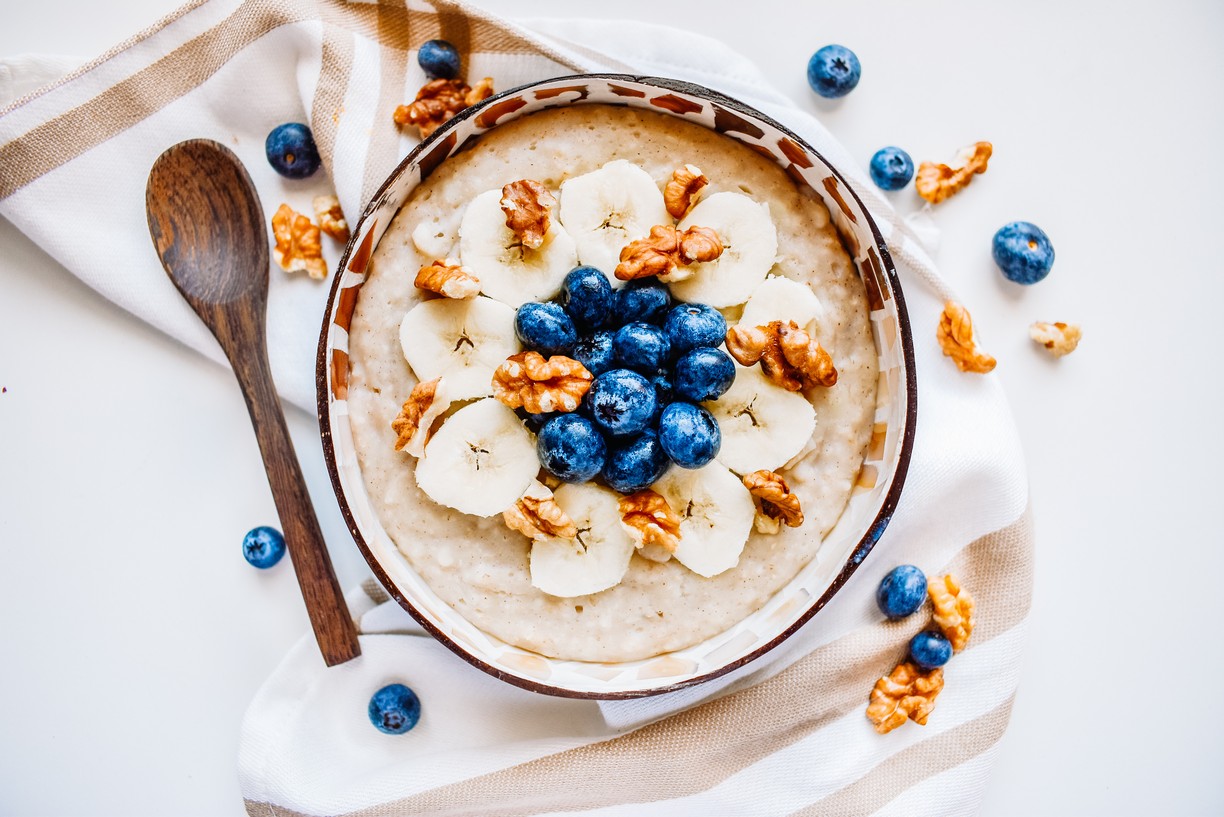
(874, 495)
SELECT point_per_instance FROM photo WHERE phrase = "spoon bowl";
(208, 229)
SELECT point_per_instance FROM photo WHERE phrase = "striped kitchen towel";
(783, 735)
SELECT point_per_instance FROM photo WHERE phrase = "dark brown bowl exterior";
(897, 402)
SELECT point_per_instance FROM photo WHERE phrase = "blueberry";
(291, 151)
(622, 402)
(833, 71)
(891, 168)
(689, 434)
(1023, 251)
(570, 448)
(902, 592)
(263, 546)
(636, 463)
(438, 59)
(545, 328)
(643, 300)
(595, 352)
(395, 709)
(665, 395)
(690, 326)
(587, 297)
(704, 374)
(641, 346)
(930, 649)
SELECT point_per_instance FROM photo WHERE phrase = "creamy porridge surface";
(478, 565)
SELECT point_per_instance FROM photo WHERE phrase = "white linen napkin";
(786, 734)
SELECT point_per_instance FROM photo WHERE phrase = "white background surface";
(134, 634)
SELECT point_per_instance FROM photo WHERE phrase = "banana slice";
(607, 208)
(716, 513)
(781, 299)
(750, 244)
(508, 271)
(763, 425)
(597, 559)
(481, 460)
(462, 341)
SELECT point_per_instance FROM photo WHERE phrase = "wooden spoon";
(208, 228)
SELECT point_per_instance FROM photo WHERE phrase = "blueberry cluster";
(653, 363)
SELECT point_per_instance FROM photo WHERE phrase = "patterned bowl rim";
(857, 555)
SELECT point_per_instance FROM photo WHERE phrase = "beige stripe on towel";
(695, 750)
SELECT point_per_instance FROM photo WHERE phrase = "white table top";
(121, 516)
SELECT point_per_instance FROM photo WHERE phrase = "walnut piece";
(907, 693)
(955, 334)
(527, 380)
(438, 101)
(297, 243)
(681, 190)
(650, 520)
(527, 205)
(936, 182)
(331, 217)
(1060, 338)
(665, 250)
(412, 424)
(449, 279)
(538, 516)
(788, 355)
(953, 610)
(777, 501)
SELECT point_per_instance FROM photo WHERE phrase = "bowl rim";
(857, 555)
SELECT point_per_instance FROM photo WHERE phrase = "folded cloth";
(785, 734)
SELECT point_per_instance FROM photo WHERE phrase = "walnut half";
(666, 250)
(788, 355)
(682, 189)
(936, 182)
(537, 515)
(331, 217)
(953, 610)
(297, 243)
(955, 334)
(650, 521)
(527, 205)
(424, 405)
(526, 380)
(449, 279)
(777, 501)
(907, 693)
(438, 101)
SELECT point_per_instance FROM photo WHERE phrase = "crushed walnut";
(953, 610)
(1060, 338)
(955, 334)
(666, 250)
(297, 243)
(448, 278)
(413, 423)
(907, 693)
(650, 521)
(537, 515)
(438, 101)
(777, 501)
(331, 217)
(527, 380)
(936, 182)
(527, 205)
(788, 355)
(681, 190)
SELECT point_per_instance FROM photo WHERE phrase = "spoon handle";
(329, 614)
